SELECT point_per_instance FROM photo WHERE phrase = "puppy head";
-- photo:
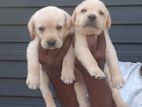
(51, 25)
(91, 17)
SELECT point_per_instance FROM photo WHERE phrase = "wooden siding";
(126, 34)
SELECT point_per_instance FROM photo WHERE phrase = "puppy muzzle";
(92, 17)
(90, 21)
(51, 43)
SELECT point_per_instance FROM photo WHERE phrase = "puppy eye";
(101, 12)
(83, 10)
(59, 27)
(41, 29)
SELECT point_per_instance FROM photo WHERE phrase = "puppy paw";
(68, 77)
(97, 73)
(118, 82)
(33, 82)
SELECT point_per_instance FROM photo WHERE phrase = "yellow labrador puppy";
(92, 17)
(51, 25)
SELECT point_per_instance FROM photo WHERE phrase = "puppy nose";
(92, 17)
(51, 42)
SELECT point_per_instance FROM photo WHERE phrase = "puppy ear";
(108, 23)
(31, 28)
(68, 21)
(74, 17)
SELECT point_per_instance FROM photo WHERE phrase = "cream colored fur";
(36, 77)
(102, 24)
(49, 23)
